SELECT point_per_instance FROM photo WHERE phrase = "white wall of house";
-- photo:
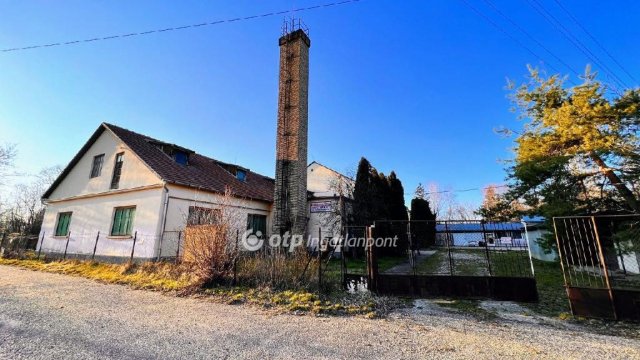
(180, 198)
(94, 214)
(78, 182)
(537, 252)
(326, 186)
(93, 203)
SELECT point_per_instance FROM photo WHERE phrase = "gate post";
(486, 248)
(446, 239)
(604, 267)
(372, 262)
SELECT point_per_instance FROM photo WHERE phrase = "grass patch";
(178, 279)
(553, 297)
(152, 276)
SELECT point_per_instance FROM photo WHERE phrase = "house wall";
(536, 250)
(93, 203)
(180, 198)
(135, 173)
(95, 214)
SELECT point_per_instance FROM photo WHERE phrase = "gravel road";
(50, 316)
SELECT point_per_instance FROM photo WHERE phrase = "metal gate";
(600, 259)
(468, 259)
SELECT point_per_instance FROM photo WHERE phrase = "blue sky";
(414, 86)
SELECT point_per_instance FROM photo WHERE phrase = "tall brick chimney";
(290, 200)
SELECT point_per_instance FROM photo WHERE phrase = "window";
(96, 169)
(203, 216)
(117, 170)
(181, 157)
(257, 223)
(241, 175)
(123, 221)
(62, 227)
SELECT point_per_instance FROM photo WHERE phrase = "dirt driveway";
(49, 316)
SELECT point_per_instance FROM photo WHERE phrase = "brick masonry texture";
(290, 200)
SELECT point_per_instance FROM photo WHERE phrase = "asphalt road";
(49, 316)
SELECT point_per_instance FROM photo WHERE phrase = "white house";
(123, 187)
(330, 195)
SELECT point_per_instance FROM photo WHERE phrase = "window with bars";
(117, 171)
(96, 168)
(203, 216)
(62, 227)
(123, 221)
(257, 222)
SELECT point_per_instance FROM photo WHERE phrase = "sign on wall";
(321, 206)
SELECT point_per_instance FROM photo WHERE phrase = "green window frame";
(123, 221)
(62, 226)
(257, 222)
(117, 171)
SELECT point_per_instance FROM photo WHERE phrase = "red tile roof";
(202, 172)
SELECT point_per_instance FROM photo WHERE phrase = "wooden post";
(133, 248)
(95, 246)
(40, 248)
(66, 246)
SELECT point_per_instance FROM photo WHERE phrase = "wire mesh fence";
(453, 248)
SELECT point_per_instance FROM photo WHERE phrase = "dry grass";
(279, 270)
(152, 276)
(180, 279)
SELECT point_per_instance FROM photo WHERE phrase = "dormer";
(179, 154)
(239, 172)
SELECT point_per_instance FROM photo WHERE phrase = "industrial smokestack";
(290, 200)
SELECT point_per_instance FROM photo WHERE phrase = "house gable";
(76, 179)
(323, 181)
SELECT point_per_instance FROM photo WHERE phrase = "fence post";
(41, 242)
(133, 248)
(446, 229)
(319, 260)
(235, 259)
(178, 248)
(486, 248)
(64, 257)
(4, 235)
(372, 262)
(343, 263)
(160, 246)
(95, 246)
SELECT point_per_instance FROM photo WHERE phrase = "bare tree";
(446, 206)
(7, 156)
(24, 211)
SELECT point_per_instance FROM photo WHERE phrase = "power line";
(462, 190)
(494, 24)
(179, 27)
(573, 39)
(575, 20)
(514, 23)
